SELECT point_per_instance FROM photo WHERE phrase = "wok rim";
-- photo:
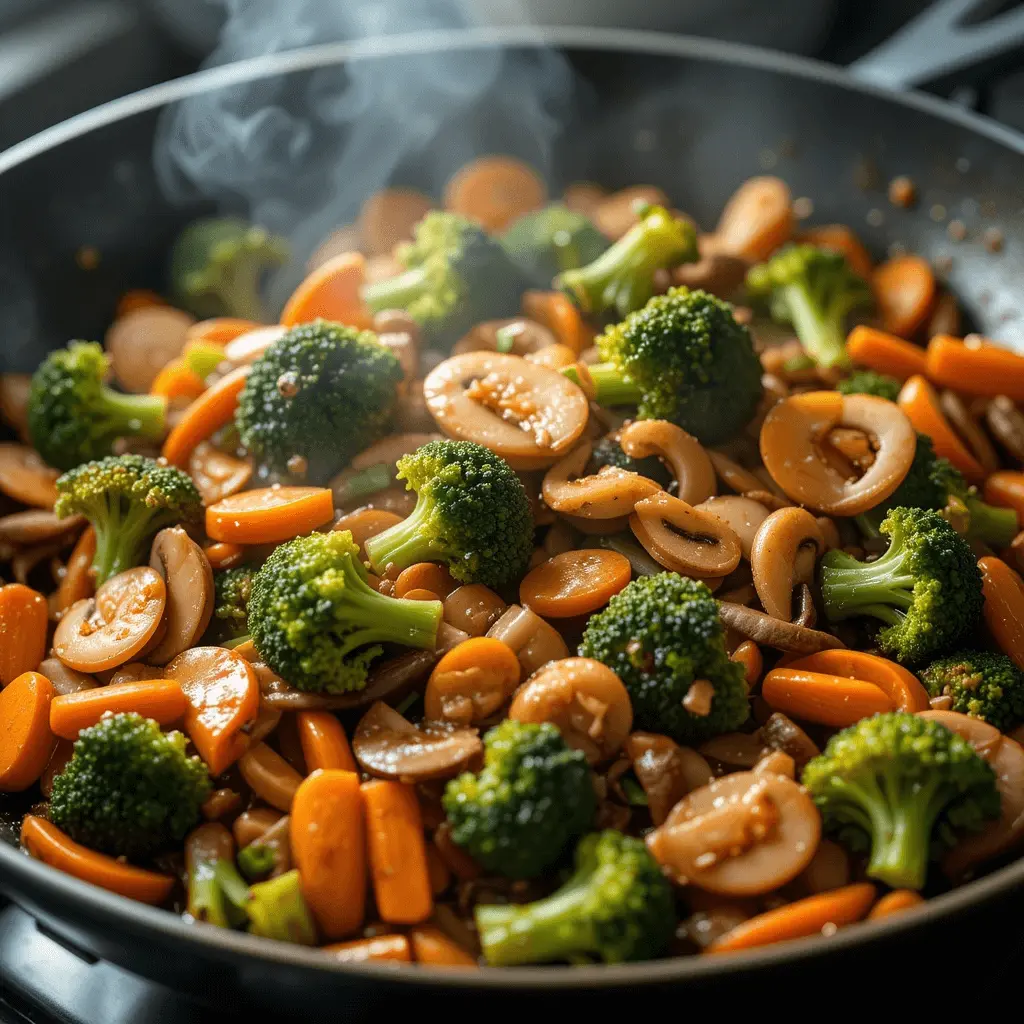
(103, 908)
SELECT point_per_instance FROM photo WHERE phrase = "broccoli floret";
(930, 483)
(217, 893)
(926, 588)
(617, 906)
(549, 242)
(814, 290)
(531, 799)
(218, 264)
(684, 358)
(232, 589)
(129, 789)
(608, 452)
(128, 499)
(456, 276)
(74, 417)
(661, 634)
(982, 684)
(902, 785)
(472, 513)
(323, 393)
(318, 623)
(867, 382)
(278, 910)
(621, 279)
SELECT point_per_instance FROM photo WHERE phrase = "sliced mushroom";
(190, 597)
(524, 336)
(473, 608)
(683, 539)
(37, 526)
(732, 474)
(969, 431)
(781, 733)
(1006, 421)
(141, 343)
(666, 771)
(608, 494)
(390, 747)
(527, 414)
(535, 641)
(743, 516)
(783, 636)
(743, 835)
(216, 475)
(684, 454)
(66, 680)
(784, 553)
(134, 672)
(113, 627)
(25, 477)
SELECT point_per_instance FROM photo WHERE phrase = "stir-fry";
(552, 583)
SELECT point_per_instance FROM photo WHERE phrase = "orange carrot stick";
(431, 946)
(895, 903)
(159, 699)
(748, 654)
(919, 401)
(380, 947)
(328, 843)
(885, 353)
(823, 698)
(905, 292)
(78, 582)
(269, 515)
(331, 292)
(47, 843)
(176, 380)
(1004, 607)
(224, 556)
(26, 742)
(24, 618)
(557, 313)
(985, 370)
(398, 858)
(220, 329)
(1006, 489)
(798, 920)
(574, 583)
(324, 743)
(213, 409)
(900, 685)
(269, 776)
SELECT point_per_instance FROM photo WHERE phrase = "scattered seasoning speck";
(875, 218)
(803, 207)
(288, 385)
(87, 257)
(993, 239)
(957, 230)
(937, 212)
(298, 465)
(902, 192)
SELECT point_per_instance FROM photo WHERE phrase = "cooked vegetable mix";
(546, 599)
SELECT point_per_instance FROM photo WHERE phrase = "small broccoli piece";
(456, 276)
(902, 785)
(926, 588)
(982, 684)
(74, 417)
(318, 623)
(867, 382)
(549, 242)
(128, 499)
(660, 634)
(814, 290)
(218, 264)
(617, 906)
(472, 513)
(217, 893)
(532, 798)
(278, 910)
(323, 392)
(257, 860)
(129, 789)
(684, 358)
(621, 279)
(232, 589)
(608, 452)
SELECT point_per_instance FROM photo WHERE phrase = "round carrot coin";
(25, 738)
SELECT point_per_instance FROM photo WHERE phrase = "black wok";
(692, 116)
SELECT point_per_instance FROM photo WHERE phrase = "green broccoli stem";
(820, 331)
(407, 542)
(367, 481)
(398, 292)
(121, 539)
(994, 526)
(611, 387)
(138, 415)
(203, 357)
(556, 928)
(277, 910)
(217, 894)
(882, 589)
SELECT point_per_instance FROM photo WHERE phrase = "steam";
(300, 153)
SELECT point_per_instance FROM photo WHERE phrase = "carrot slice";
(324, 743)
(213, 409)
(398, 857)
(159, 699)
(176, 380)
(24, 619)
(331, 292)
(756, 220)
(985, 370)
(425, 576)
(224, 699)
(905, 292)
(748, 654)
(49, 844)
(224, 556)
(574, 582)
(1006, 489)
(560, 316)
(431, 946)
(25, 477)
(269, 515)
(1004, 607)
(26, 742)
(885, 353)
(810, 916)
(823, 698)
(895, 903)
(136, 298)
(494, 191)
(919, 401)
(328, 843)
(269, 776)
(840, 238)
(900, 685)
(220, 329)
(63, 751)
(380, 947)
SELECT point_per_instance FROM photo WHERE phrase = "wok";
(692, 116)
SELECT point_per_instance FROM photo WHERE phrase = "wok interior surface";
(692, 122)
